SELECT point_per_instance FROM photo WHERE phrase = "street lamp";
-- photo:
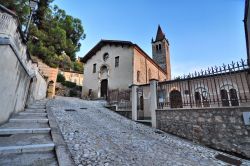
(33, 6)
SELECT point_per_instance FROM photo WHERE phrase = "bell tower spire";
(160, 51)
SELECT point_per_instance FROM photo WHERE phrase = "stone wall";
(37, 89)
(220, 128)
(16, 68)
(127, 114)
(73, 76)
(51, 76)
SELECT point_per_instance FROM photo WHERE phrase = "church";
(115, 64)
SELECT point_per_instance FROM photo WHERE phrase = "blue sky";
(202, 33)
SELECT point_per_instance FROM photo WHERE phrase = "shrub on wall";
(73, 93)
(69, 84)
(60, 78)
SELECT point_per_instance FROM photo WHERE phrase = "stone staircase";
(26, 138)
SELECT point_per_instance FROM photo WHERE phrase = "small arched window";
(138, 76)
(105, 56)
(149, 74)
(159, 46)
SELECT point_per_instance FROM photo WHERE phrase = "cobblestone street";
(98, 136)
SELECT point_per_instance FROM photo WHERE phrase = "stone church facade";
(113, 64)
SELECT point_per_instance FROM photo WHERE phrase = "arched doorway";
(175, 99)
(104, 88)
(50, 89)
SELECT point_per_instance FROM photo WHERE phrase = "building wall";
(14, 83)
(118, 77)
(145, 67)
(73, 77)
(15, 66)
(220, 128)
(211, 85)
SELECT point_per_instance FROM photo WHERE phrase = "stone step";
(24, 130)
(35, 110)
(29, 120)
(27, 148)
(14, 140)
(33, 114)
(37, 104)
(145, 122)
(34, 158)
(36, 107)
(18, 125)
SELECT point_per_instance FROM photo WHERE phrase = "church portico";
(103, 81)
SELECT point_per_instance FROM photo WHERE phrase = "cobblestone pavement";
(98, 136)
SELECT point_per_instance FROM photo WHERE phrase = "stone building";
(160, 52)
(73, 76)
(113, 64)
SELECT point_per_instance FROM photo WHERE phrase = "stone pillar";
(134, 102)
(153, 101)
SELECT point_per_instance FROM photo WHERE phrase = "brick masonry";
(219, 128)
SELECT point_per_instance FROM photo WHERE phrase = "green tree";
(51, 32)
(64, 62)
(78, 66)
(20, 7)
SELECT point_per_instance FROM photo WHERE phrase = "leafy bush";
(69, 84)
(60, 78)
(72, 93)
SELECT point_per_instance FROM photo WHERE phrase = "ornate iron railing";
(226, 85)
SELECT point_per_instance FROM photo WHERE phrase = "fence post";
(134, 101)
(153, 101)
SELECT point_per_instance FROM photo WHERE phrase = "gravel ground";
(98, 136)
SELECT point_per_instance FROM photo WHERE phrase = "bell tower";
(160, 52)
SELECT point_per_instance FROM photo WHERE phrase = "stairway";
(26, 138)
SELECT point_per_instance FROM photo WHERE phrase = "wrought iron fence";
(120, 98)
(226, 85)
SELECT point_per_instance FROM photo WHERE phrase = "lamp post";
(33, 6)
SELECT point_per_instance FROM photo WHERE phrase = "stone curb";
(63, 154)
(27, 148)
(24, 131)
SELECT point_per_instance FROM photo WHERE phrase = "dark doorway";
(141, 103)
(50, 89)
(175, 99)
(104, 88)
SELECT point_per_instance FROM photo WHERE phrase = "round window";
(105, 56)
